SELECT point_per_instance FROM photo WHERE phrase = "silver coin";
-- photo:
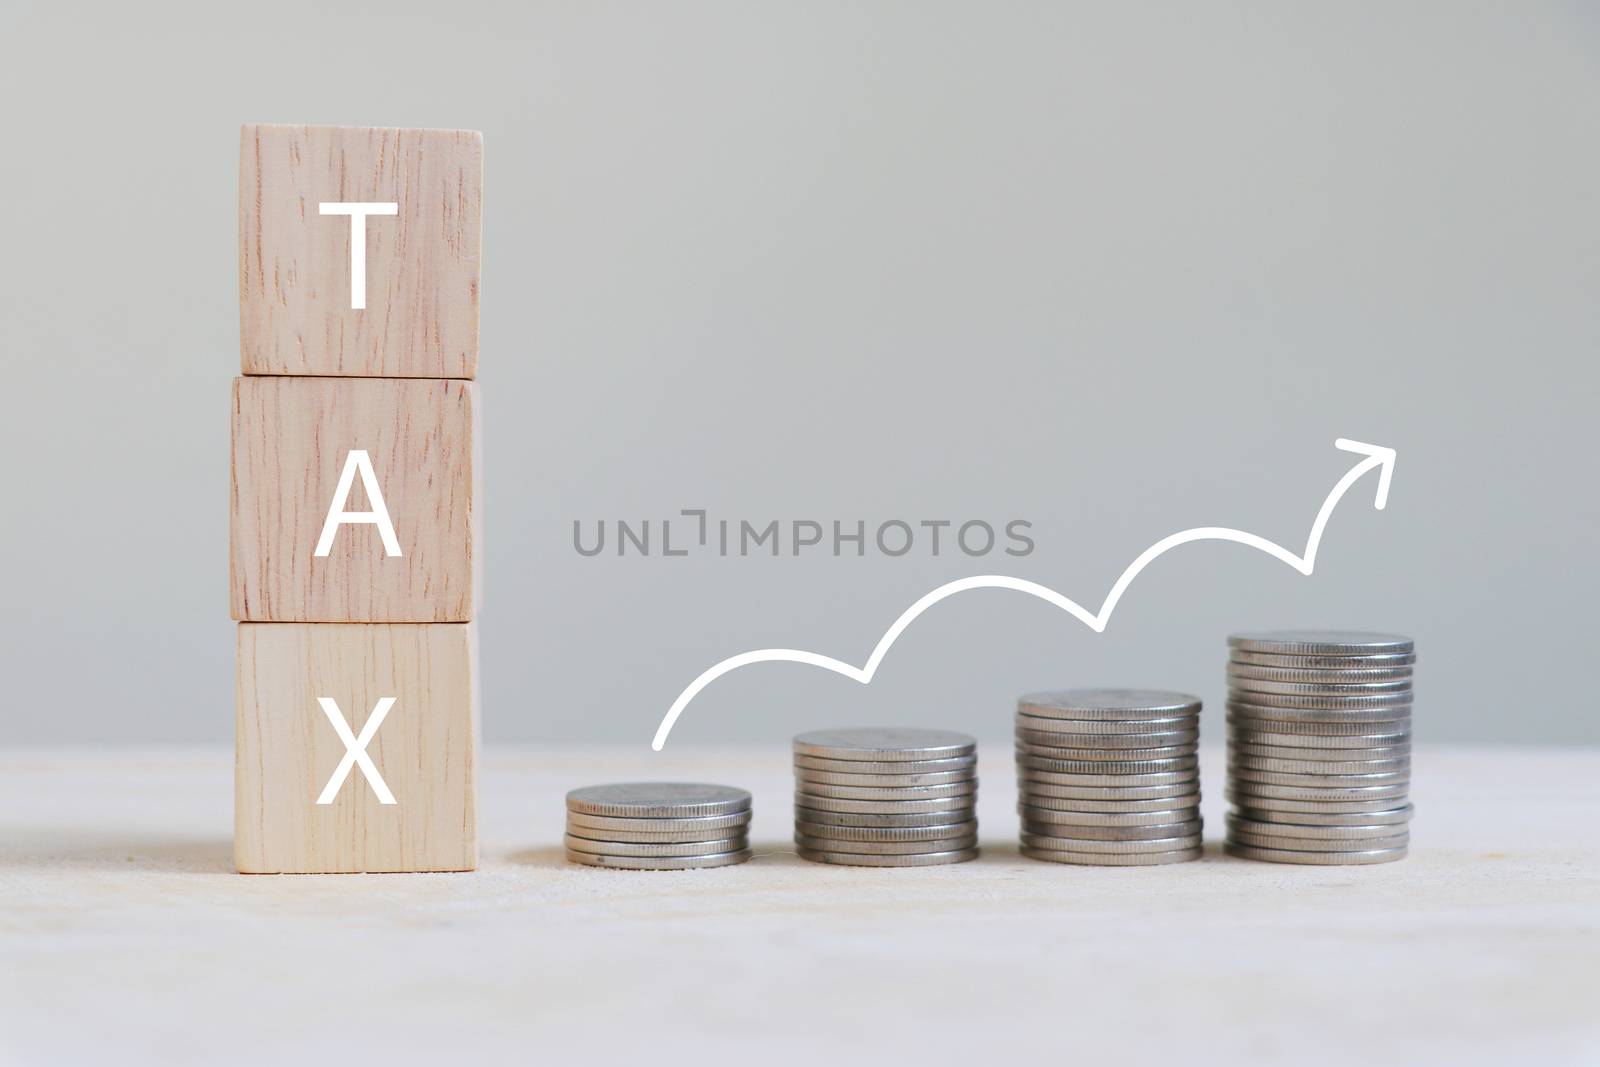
(1394, 776)
(1257, 806)
(1316, 844)
(1367, 831)
(658, 800)
(1319, 734)
(1081, 844)
(1278, 855)
(1340, 690)
(885, 848)
(1252, 708)
(883, 781)
(1032, 789)
(1267, 718)
(1107, 807)
(1155, 831)
(1167, 724)
(1318, 781)
(806, 799)
(1320, 815)
(1268, 794)
(1178, 813)
(657, 849)
(1067, 766)
(824, 831)
(1108, 704)
(881, 819)
(1068, 834)
(1362, 816)
(1109, 743)
(1377, 661)
(1353, 722)
(1185, 781)
(1091, 794)
(884, 744)
(1114, 780)
(1242, 788)
(1291, 729)
(1111, 859)
(1315, 756)
(922, 766)
(866, 792)
(701, 824)
(1276, 765)
(925, 859)
(1308, 676)
(1325, 701)
(1070, 778)
(1321, 643)
(659, 863)
(663, 837)
(1034, 796)
(1104, 754)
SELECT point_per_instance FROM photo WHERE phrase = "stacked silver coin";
(883, 797)
(658, 826)
(1109, 777)
(1319, 746)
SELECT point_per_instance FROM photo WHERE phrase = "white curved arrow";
(1377, 456)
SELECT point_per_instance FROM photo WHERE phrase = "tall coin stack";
(1319, 746)
(1109, 777)
(658, 826)
(879, 797)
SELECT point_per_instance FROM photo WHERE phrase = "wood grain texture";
(291, 437)
(286, 749)
(421, 318)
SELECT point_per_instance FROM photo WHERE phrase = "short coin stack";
(1109, 777)
(1319, 746)
(881, 797)
(658, 826)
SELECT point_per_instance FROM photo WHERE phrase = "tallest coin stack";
(1319, 746)
(354, 518)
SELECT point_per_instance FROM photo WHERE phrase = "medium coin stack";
(881, 797)
(658, 826)
(1109, 777)
(1319, 746)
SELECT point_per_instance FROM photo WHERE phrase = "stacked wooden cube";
(355, 502)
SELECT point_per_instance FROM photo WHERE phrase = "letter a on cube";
(356, 748)
(312, 543)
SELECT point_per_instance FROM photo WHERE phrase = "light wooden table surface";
(126, 937)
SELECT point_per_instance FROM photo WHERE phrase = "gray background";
(1116, 269)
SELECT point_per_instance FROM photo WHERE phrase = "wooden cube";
(420, 318)
(424, 749)
(293, 438)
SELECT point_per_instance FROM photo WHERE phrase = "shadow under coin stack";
(879, 797)
(1319, 746)
(658, 826)
(1109, 777)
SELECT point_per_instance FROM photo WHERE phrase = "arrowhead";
(1385, 457)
